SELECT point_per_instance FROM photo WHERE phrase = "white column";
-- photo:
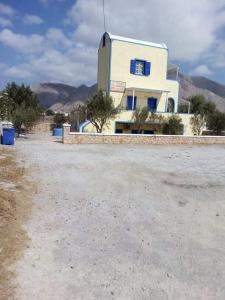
(133, 101)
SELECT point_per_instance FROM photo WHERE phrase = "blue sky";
(57, 40)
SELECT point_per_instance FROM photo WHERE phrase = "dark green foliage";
(173, 126)
(59, 120)
(183, 108)
(23, 108)
(200, 106)
(100, 109)
(49, 112)
(216, 122)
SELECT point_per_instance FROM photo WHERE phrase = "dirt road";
(123, 222)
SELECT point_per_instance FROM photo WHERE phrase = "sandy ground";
(15, 209)
(123, 222)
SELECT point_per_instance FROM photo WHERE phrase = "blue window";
(152, 104)
(131, 105)
(103, 40)
(140, 67)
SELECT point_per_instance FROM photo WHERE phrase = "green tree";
(100, 109)
(216, 122)
(49, 112)
(173, 125)
(6, 106)
(24, 117)
(140, 117)
(197, 104)
(23, 105)
(59, 119)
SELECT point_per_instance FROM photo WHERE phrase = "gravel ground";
(124, 222)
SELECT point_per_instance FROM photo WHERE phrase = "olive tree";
(173, 125)
(216, 122)
(100, 109)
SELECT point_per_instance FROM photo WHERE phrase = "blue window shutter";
(147, 68)
(132, 66)
(129, 102)
(135, 102)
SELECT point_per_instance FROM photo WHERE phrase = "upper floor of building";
(128, 63)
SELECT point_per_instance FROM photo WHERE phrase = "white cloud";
(6, 15)
(189, 28)
(7, 10)
(32, 20)
(24, 44)
(4, 22)
(47, 2)
(202, 70)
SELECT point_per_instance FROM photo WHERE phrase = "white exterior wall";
(114, 65)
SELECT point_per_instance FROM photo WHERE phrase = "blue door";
(131, 105)
(152, 104)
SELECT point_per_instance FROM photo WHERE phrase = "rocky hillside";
(212, 90)
(61, 97)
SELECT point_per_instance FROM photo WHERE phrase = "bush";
(173, 126)
(50, 112)
(216, 122)
(59, 120)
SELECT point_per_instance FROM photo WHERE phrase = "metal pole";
(189, 107)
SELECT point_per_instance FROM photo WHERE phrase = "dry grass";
(15, 208)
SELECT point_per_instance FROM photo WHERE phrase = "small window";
(140, 67)
(118, 130)
(134, 131)
(148, 131)
(103, 40)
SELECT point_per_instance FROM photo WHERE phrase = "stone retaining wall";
(42, 127)
(96, 138)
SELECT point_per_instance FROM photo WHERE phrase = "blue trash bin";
(8, 136)
(57, 132)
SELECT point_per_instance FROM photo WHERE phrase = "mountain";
(194, 85)
(62, 97)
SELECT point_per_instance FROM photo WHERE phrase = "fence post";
(66, 131)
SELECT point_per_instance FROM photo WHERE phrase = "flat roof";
(140, 42)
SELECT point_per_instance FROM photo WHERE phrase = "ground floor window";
(119, 130)
(148, 131)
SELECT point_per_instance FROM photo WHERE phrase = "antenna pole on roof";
(103, 8)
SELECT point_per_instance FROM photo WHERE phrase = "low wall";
(96, 138)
